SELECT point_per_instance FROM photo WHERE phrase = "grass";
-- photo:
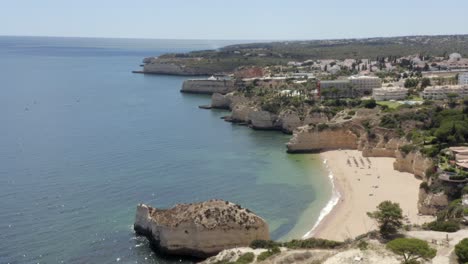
(389, 104)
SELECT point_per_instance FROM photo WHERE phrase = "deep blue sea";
(83, 141)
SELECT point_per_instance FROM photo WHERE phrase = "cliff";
(206, 86)
(200, 229)
(244, 110)
(312, 139)
(413, 162)
(431, 203)
(154, 65)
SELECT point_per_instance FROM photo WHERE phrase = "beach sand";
(362, 184)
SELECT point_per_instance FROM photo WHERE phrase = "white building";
(441, 92)
(365, 83)
(389, 93)
(463, 78)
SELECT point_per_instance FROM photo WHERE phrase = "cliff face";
(201, 229)
(413, 162)
(164, 66)
(242, 111)
(431, 203)
(309, 139)
(208, 86)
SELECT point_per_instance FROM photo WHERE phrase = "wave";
(335, 198)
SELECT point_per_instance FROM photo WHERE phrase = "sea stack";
(200, 229)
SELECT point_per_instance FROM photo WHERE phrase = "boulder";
(200, 229)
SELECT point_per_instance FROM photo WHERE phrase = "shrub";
(369, 103)
(461, 250)
(407, 148)
(312, 243)
(270, 252)
(424, 186)
(352, 112)
(362, 245)
(246, 258)
(443, 226)
(264, 244)
(388, 121)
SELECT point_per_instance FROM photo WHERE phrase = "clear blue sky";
(228, 19)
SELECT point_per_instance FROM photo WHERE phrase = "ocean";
(84, 140)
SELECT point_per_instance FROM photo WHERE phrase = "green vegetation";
(246, 258)
(298, 244)
(411, 249)
(362, 245)
(243, 259)
(443, 226)
(389, 217)
(369, 103)
(270, 252)
(461, 250)
(388, 104)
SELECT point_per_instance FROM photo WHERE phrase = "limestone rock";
(431, 203)
(204, 86)
(220, 101)
(200, 229)
(309, 139)
(262, 120)
(413, 162)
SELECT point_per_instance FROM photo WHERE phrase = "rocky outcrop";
(413, 162)
(262, 120)
(180, 66)
(314, 139)
(227, 101)
(206, 86)
(200, 229)
(431, 203)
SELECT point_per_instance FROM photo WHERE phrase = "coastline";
(360, 184)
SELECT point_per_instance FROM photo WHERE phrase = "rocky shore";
(199, 229)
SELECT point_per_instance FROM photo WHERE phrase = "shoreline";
(329, 208)
(359, 185)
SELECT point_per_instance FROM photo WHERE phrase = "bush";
(264, 244)
(424, 186)
(362, 245)
(443, 226)
(246, 258)
(312, 243)
(268, 253)
(352, 112)
(461, 250)
(407, 148)
(369, 103)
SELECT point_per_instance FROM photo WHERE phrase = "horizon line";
(220, 39)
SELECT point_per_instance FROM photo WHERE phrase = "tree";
(425, 82)
(411, 249)
(461, 250)
(389, 216)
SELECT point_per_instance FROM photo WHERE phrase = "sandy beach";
(362, 183)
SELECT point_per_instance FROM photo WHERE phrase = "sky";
(236, 20)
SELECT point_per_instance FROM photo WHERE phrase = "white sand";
(362, 187)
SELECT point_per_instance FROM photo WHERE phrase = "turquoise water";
(84, 140)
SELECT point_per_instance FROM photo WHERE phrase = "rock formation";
(413, 162)
(431, 203)
(200, 229)
(245, 112)
(204, 86)
(314, 139)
